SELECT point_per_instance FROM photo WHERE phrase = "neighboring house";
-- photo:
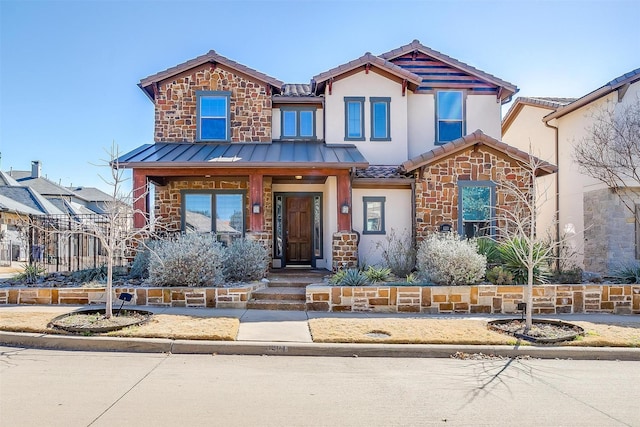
(322, 172)
(603, 232)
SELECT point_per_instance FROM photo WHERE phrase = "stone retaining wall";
(157, 297)
(489, 299)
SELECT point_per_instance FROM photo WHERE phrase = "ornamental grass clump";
(445, 259)
(245, 260)
(188, 260)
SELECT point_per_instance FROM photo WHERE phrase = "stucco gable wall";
(176, 111)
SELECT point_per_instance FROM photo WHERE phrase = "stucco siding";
(483, 112)
(421, 123)
(397, 214)
(367, 86)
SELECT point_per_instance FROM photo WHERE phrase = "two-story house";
(321, 172)
(602, 234)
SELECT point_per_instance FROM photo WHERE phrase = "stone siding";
(488, 299)
(610, 231)
(142, 296)
(168, 199)
(344, 250)
(437, 186)
(176, 111)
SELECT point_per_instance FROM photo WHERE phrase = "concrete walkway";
(287, 332)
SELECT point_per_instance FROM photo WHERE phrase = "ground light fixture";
(124, 297)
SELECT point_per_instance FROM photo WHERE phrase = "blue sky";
(69, 69)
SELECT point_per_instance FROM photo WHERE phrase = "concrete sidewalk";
(287, 333)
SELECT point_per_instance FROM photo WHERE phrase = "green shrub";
(500, 276)
(411, 278)
(337, 277)
(489, 248)
(245, 260)
(379, 274)
(445, 259)
(570, 276)
(627, 273)
(140, 265)
(398, 253)
(509, 250)
(188, 260)
(30, 273)
(353, 277)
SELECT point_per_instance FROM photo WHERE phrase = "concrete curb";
(157, 345)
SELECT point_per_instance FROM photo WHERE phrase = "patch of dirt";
(541, 332)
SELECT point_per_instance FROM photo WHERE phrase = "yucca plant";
(379, 274)
(509, 251)
(489, 248)
(30, 273)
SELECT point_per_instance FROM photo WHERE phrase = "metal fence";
(69, 243)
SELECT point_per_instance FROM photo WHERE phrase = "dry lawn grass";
(454, 331)
(160, 326)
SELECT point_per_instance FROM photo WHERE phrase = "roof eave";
(244, 165)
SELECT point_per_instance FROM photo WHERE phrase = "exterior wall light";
(344, 209)
(256, 208)
(298, 177)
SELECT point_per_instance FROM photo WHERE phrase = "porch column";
(256, 219)
(140, 194)
(344, 201)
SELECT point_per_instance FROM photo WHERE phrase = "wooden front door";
(298, 230)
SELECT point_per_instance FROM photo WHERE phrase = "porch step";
(276, 305)
(281, 293)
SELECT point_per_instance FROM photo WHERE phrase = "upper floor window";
(354, 118)
(298, 122)
(450, 118)
(380, 119)
(213, 115)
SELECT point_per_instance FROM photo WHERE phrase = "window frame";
(374, 199)
(380, 100)
(213, 194)
(200, 94)
(463, 115)
(492, 209)
(347, 101)
(297, 111)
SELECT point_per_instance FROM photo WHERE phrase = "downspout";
(557, 213)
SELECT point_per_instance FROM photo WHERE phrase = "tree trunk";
(109, 306)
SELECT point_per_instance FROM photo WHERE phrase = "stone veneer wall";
(610, 231)
(344, 247)
(489, 299)
(168, 199)
(437, 187)
(176, 111)
(157, 297)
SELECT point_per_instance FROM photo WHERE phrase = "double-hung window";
(219, 212)
(476, 208)
(380, 119)
(373, 215)
(450, 120)
(298, 122)
(353, 118)
(213, 115)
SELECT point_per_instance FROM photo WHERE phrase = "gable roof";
(619, 83)
(91, 194)
(9, 205)
(470, 140)
(549, 103)
(212, 56)
(367, 59)
(300, 154)
(6, 179)
(28, 197)
(46, 187)
(508, 89)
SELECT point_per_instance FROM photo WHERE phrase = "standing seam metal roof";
(275, 154)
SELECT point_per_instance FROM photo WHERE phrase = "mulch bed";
(542, 331)
(95, 321)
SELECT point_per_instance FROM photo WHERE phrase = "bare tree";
(516, 223)
(610, 152)
(114, 228)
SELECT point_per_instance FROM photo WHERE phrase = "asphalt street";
(66, 388)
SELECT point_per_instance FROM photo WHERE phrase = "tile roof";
(365, 59)
(296, 89)
(382, 172)
(416, 45)
(626, 79)
(229, 155)
(213, 57)
(542, 102)
(469, 141)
